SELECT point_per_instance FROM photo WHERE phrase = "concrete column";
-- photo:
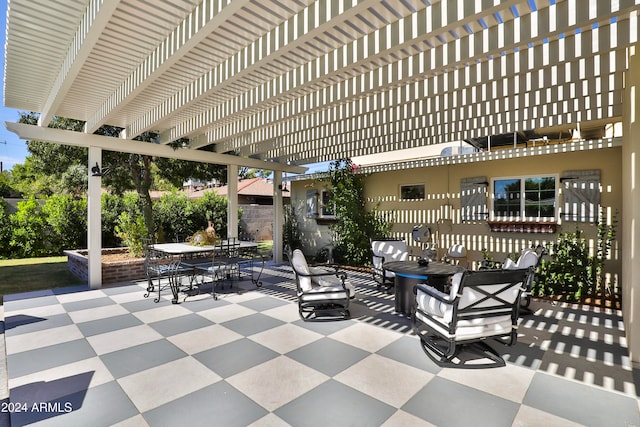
(232, 198)
(630, 218)
(94, 219)
(278, 216)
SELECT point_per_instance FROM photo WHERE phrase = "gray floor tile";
(119, 290)
(323, 327)
(216, 405)
(180, 324)
(252, 324)
(16, 302)
(100, 326)
(144, 356)
(409, 351)
(234, 357)
(22, 324)
(103, 405)
(264, 303)
(446, 403)
(144, 303)
(43, 358)
(328, 356)
(88, 304)
(335, 404)
(581, 403)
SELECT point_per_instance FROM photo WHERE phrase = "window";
(327, 206)
(412, 192)
(525, 198)
(312, 204)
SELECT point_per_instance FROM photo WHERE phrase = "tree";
(125, 171)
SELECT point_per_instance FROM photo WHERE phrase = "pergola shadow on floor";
(109, 356)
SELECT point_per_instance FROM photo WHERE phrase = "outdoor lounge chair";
(321, 292)
(530, 257)
(480, 305)
(456, 254)
(386, 250)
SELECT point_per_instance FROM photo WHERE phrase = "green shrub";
(354, 225)
(131, 229)
(28, 226)
(212, 207)
(66, 222)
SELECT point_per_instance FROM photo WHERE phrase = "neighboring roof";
(260, 187)
(250, 187)
(288, 82)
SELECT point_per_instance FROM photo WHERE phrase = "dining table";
(192, 258)
(410, 273)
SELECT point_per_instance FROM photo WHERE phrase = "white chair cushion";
(318, 293)
(471, 329)
(334, 282)
(432, 305)
(299, 263)
(391, 250)
(457, 251)
(529, 258)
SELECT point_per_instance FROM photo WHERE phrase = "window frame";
(522, 216)
(323, 211)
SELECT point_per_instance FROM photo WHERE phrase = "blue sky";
(12, 149)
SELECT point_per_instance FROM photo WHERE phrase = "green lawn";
(34, 274)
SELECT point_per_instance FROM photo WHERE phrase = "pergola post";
(277, 216)
(94, 218)
(232, 198)
(630, 223)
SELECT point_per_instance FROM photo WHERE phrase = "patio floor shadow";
(111, 356)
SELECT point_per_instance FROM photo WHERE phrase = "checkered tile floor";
(110, 356)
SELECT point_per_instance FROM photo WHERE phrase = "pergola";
(276, 84)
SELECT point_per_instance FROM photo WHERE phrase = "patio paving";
(111, 357)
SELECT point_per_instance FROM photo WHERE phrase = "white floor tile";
(161, 384)
(277, 382)
(385, 379)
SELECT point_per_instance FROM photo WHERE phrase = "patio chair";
(480, 305)
(456, 254)
(321, 292)
(158, 266)
(530, 257)
(386, 250)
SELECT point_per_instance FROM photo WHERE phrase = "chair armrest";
(380, 257)
(486, 264)
(434, 302)
(432, 292)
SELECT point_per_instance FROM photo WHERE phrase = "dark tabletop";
(434, 268)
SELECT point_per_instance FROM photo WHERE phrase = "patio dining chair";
(480, 305)
(321, 293)
(159, 266)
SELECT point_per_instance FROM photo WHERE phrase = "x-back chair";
(480, 305)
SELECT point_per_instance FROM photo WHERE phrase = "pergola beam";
(66, 137)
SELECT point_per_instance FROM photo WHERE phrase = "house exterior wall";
(440, 209)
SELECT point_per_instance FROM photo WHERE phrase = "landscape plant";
(354, 225)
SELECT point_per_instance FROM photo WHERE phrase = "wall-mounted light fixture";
(283, 188)
(96, 171)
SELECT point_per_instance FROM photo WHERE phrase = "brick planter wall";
(112, 271)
